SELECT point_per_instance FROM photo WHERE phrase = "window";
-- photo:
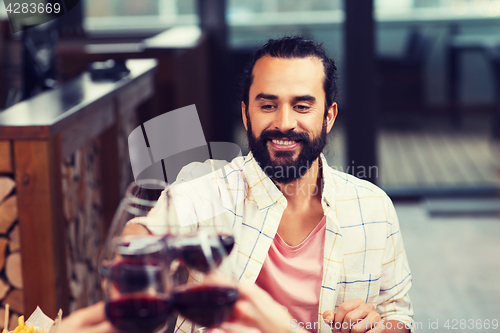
(139, 14)
(161, 14)
(279, 12)
(282, 12)
(437, 9)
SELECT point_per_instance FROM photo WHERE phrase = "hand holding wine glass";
(257, 309)
(208, 297)
(138, 285)
(91, 319)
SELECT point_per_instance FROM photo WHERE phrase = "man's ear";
(331, 116)
(244, 114)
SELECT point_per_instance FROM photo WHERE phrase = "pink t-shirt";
(292, 275)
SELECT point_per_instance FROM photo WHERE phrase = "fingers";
(104, 327)
(243, 311)
(328, 316)
(245, 290)
(360, 312)
(254, 293)
(257, 309)
(89, 316)
(374, 323)
(351, 317)
(88, 320)
(356, 317)
(342, 311)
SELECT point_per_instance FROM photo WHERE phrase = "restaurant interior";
(419, 116)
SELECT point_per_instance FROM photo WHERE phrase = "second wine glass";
(207, 297)
(138, 286)
(140, 198)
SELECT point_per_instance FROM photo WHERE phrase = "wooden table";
(36, 136)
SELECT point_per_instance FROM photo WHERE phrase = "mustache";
(277, 135)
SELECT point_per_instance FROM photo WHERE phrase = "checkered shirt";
(363, 257)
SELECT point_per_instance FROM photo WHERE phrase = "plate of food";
(38, 322)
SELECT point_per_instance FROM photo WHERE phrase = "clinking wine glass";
(140, 198)
(138, 285)
(207, 297)
(182, 235)
(199, 247)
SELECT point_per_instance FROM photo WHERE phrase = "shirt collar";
(266, 193)
(328, 194)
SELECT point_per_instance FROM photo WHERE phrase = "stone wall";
(84, 222)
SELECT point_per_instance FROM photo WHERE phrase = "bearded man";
(321, 242)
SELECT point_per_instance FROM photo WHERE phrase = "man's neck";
(302, 191)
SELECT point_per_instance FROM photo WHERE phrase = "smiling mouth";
(284, 144)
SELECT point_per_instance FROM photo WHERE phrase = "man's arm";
(255, 308)
(88, 320)
(135, 229)
(394, 303)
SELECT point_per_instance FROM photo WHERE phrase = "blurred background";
(419, 115)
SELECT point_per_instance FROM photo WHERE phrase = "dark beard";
(284, 168)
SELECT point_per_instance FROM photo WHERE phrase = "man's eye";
(302, 107)
(267, 107)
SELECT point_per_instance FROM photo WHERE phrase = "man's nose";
(285, 119)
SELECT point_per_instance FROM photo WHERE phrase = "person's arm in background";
(87, 320)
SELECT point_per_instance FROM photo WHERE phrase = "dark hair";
(293, 47)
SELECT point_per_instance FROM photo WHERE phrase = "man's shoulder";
(359, 200)
(210, 169)
(347, 186)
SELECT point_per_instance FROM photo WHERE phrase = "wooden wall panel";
(5, 157)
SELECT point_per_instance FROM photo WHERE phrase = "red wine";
(207, 306)
(138, 314)
(147, 248)
(135, 276)
(189, 250)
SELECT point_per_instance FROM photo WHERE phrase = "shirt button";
(248, 275)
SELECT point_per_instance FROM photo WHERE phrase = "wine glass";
(140, 198)
(138, 284)
(206, 218)
(198, 247)
(208, 296)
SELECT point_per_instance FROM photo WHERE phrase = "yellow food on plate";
(22, 328)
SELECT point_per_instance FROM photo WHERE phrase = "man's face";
(286, 127)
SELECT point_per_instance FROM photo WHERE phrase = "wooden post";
(5, 156)
(360, 95)
(109, 168)
(38, 175)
